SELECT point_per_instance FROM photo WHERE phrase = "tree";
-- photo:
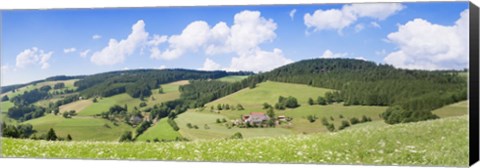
(321, 101)
(354, 121)
(51, 136)
(271, 113)
(311, 118)
(142, 104)
(69, 138)
(60, 85)
(160, 90)
(95, 100)
(5, 98)
(310, 101)
(126, 137)
(240, 107)
(237, 135)
(266, 105)
(344, 125)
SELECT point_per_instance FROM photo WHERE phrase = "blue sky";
(40, 43)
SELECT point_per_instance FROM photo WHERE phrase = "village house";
(255, 118)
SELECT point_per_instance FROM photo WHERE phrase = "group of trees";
(286, 102)
(17, 131)
(25, 112)
(344, 123)
(227, 107)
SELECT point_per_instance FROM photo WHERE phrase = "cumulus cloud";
(425, 45)
(96, 37)
(330, 54)
(248, 31)
(338, 19)
(292, 13)
(69, 50)
(210, 65)
(259, 61)
(84, 53)
(33, 56)
(116, 51)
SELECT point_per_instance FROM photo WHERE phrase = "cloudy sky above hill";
(40, 43)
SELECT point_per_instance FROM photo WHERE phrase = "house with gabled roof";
(255, 118)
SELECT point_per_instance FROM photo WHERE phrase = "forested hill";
(358, 82)
(366, 83)
(138, 83)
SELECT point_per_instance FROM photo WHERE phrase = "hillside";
(268, 92)
(80, 128)
(439, 142)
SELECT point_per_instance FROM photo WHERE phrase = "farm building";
(255, 118)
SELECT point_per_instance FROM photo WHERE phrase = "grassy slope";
(456, 109)
(233, 78)
(217, 130)
(161, 130)
(77, 105)
(68, 85)
(252, 100)
(80, 128)
(4, 106)
(170, 92)
(439, 142)
(105, 103)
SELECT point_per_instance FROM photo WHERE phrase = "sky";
(36, 44)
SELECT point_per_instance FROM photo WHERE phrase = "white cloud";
(359, 27)
(96, 37)
(259, 61)
(157, 40)
(33, 56)
(69, 50)
(117, 51)
(84, 53)
(162, 67)
(194, 36)
(361, 58)
(424, 45)
(248, 31)
(330, 54)
(379, 11)
(338, 19)
(292, 13)
(210, 65)
(375, 24)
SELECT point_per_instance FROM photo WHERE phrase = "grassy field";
(68, 85)
(456, 109)
(218, 130)
(105, 103)
(80, 128)
(77, 105)
(252, 99)
(161, 130)
(442, 142)
(233, 78)
(170, 92)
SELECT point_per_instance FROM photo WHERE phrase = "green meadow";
(233, 78)
(442, 142)
(80, 128)
(160, 130)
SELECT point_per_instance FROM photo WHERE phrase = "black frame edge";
(474, 84)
